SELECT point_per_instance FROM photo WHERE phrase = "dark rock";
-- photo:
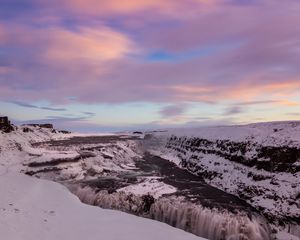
(45, 125)
(5, 125)
(52, 169)
(137, 132)
(273, 182)
(64, 132)
(107, 156)
(257, 177)
(148, 200)
(57, 161)
(269, 158)
(26, 130)
(4, 121)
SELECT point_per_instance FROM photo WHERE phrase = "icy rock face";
(265, 172)
(268, 158)
(203, 222)
(119, 200)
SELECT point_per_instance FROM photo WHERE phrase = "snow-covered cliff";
(260, 163)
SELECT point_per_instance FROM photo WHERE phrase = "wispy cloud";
(27, 105)
(262, 102)
(296, 114)
(233, 110)
(91, 114)
(173, 110)
(70, 119)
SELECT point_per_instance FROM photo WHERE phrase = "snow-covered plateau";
(233, 183)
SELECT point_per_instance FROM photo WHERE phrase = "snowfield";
(268, 133)
(35, 209)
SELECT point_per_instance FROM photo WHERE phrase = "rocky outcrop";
(45, 125)
(269, 158)
(57, 161)
(5, 125)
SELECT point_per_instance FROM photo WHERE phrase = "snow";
(269, 133)
(286, 236)
(150, 186)
(34, 209)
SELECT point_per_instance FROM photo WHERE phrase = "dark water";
(189, 186)
(88, 140)
(192, 187)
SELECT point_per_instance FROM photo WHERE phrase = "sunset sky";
(95, 65)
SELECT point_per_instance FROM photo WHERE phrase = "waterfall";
(212, 224)
(292, 228)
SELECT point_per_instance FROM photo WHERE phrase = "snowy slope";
(33, 209)
(16, 148)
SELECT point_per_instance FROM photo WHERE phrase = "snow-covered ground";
(268, 133)
(34, 209)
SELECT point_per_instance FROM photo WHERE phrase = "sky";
(103, 65)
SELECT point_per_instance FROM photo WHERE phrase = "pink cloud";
(93, 64)
(2, 34)
(108, 7)
(99, 44)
